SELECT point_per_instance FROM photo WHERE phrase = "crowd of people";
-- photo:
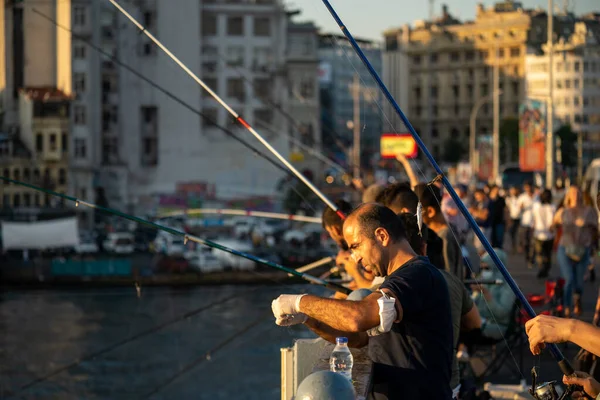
(409, 242)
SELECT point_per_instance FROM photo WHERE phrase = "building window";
(17, 174)
(263, 117)
(307, 88)
(79, 115)
(79, 82)
(576, 66)
(235, 26)
(210, 117)
(53, 144)
(64, 142)
(575, 83)
(262, 57)
(26, 174)
(433, 58)
(262, 88)
(26, 199)
(211, 83)
(80, 148)
(62, 176)
(16, 200)
(36, 175)
(79, 51)
(454, 56)
(110, 149)
(79, 16)
(150, 151)
(434, 92)
(417, 60)
(209, 24)
(235, 56)
(434, 133)
(470, 55)
(39, 142)
(515, 52)
(484, 89)
(262, 26)
(235, 88)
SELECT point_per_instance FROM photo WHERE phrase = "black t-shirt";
(497, 207)
(414, 359)
(435, 248)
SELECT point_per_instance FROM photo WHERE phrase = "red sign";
(395, 144)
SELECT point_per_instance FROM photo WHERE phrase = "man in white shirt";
(525, 204)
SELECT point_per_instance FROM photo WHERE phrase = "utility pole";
(496, 129)
(550, 108)
(579, 158)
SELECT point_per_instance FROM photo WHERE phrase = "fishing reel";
(547, 390)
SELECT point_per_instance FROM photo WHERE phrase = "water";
(229, 349)
(341, 359)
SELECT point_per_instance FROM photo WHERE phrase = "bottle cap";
(341, 340)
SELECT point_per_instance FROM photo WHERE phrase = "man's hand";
(291, 319)
(285, 305)
(546, 329)
(591, 387)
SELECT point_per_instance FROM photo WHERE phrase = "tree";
(509, 139)
(568, 146)
(454, 150)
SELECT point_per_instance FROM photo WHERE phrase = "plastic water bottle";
(341, 359)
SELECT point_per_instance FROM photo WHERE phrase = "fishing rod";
(244, 213)
(563, 363)
(130, 339)
(177, 99)
(186, 237)
(291, 120)
(231, 111)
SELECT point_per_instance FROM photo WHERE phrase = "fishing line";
(238, 117)
(130, 339)
(208, 355)
(564, 364)
(186, 236)
(177, 99)
(428, 187)
(288, 116)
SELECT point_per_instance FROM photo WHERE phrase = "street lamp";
(472, 125)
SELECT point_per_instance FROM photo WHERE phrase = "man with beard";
(411, 341)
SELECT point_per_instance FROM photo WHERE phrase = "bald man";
(407, 325)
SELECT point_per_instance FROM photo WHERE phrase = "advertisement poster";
(394, 144)
(532, 136)
(486, 157)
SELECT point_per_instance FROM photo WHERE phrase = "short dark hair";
(429, 196)
(399, 194)
(411, 229)
(331, 218)
(371, 216)
(546, 197)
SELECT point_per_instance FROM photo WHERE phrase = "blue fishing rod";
(564, 364)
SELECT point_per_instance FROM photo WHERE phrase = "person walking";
(579, 224)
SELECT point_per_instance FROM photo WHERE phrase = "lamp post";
(472, 126)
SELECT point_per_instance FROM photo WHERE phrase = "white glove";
(292, 319)
(286, 304)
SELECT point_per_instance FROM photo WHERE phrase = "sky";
(369, 18)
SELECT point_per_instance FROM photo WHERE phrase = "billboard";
(532, 135)
(324, 72)
(394, 144)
